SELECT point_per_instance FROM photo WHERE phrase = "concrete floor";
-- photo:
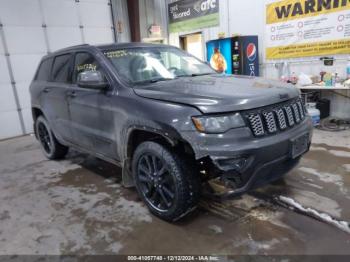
(77, 206)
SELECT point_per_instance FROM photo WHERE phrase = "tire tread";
(188, 182)
(60, 151)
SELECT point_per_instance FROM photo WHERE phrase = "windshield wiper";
(194, 75)
(203, 74)
(154, 80)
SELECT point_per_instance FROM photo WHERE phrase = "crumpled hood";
(218, 93)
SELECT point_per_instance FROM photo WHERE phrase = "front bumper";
(254, 161)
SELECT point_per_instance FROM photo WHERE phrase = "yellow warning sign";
(298, 28)
(296, 9)
(312, 49)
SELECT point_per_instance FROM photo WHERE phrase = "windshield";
(152, 64)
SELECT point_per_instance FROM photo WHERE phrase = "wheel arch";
(137, 135)
(36, 113)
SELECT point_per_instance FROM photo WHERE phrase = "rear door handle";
(46, 90)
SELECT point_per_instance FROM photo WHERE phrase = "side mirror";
(92, 79)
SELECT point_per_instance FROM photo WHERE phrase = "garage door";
(29, 29)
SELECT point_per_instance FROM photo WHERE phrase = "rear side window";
(61, 69)
(44, 71)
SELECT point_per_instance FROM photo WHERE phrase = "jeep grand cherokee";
(169, 120)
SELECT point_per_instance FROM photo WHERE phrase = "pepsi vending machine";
(245, 55)
(234, 55)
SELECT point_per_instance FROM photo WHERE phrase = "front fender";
(168, 133)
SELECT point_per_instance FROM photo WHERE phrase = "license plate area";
(299, 145)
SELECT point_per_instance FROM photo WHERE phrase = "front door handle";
(46, 90)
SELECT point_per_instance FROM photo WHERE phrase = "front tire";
(51, 148)
(169, 187)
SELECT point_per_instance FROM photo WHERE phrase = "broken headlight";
(218, 124)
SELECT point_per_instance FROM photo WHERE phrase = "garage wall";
(153, 12)
(248, 18)
(121, 20)
(30, 29)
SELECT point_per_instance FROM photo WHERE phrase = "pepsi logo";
(251, 52)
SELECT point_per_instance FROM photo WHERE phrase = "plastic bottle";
(334, 79)
(348, 69)
(327, 79)
(294, 78)
(285, 70)
(314, 113)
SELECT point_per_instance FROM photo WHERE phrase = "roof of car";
(106, 47)
(112, 46)
(130, 45)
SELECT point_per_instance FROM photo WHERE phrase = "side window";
(43, 73)
(61, 69)
(84, 62)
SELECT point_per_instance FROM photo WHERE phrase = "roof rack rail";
(70, 47)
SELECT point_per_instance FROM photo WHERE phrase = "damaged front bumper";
(242, 162)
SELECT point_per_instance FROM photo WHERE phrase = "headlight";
(217, 124)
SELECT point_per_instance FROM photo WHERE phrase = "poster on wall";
(300, 28)
(188, 15)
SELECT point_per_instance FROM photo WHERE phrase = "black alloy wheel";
(166, 182)
(50, 146)
(44, 138)
(156, 182)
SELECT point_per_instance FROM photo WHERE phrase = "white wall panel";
(95, 1)
(2, 51)
(25, 40)
(7, 101)
(23, 94)
(4, 73)
(97, 36)
(60, 13)
(28, 119)
(11, 126)
(20, 12)
(24, 66)
(225, 17)
(95, 14)
(60, 37)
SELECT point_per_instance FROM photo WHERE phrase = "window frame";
(49, 71)
(69, 80)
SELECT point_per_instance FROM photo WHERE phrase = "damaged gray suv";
(177, 128)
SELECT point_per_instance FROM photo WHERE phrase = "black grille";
(277, 118)
(270, 122)
(296, 113)
(281, 118)
(256, 124)
(301, 109)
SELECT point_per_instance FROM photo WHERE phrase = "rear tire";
(51, 148)
(166, 183)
